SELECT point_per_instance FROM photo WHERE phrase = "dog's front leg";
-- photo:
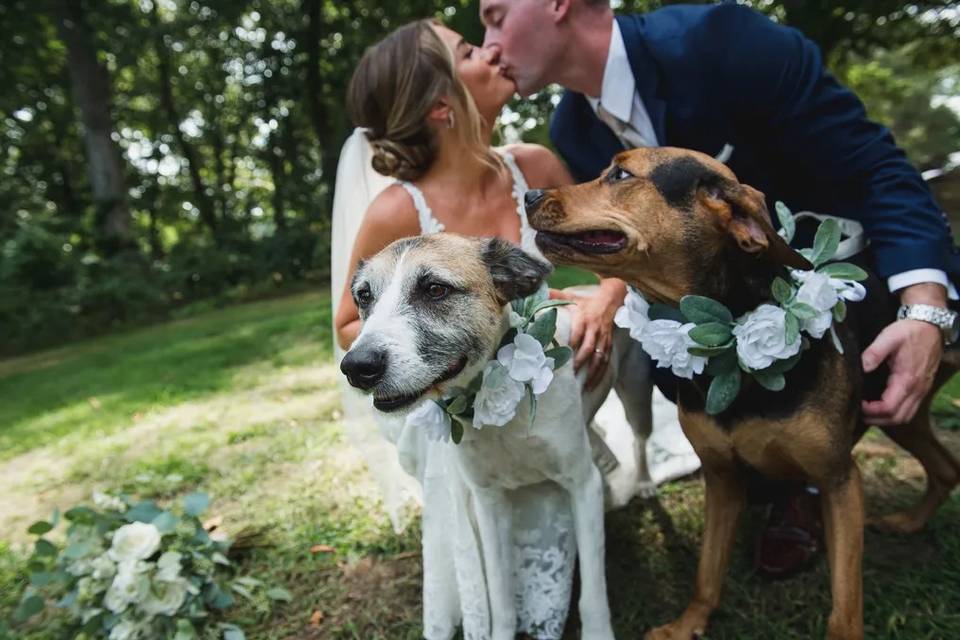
(843, 524)
(725, 496)
(587, 499)
(494, 521)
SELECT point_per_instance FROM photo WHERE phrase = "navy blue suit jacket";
(711, 75)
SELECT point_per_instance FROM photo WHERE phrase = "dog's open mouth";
(394, 403)
(593, 242)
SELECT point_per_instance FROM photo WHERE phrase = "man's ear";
(559, 9)
(515, 273)
(742, 212)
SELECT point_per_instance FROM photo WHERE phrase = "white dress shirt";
(620, 107)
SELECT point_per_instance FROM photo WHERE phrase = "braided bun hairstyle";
(393, 89)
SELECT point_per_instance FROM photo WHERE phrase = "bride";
(426, 101)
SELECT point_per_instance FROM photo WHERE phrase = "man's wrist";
(924, 293)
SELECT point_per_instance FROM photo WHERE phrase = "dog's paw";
(646, 489)
(902, 522)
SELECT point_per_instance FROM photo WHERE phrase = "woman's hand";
(591, 331)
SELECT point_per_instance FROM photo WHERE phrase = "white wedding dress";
(454, 590)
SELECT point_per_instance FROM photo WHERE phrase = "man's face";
(522, 33)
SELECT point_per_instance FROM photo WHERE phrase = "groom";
(725, 80)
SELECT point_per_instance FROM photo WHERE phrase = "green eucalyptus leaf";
(185, 630)
(783, 366)
(44, 548)
(55, 518)
(723, 391)
(279, 594)
(195, 503)
(233, 633)
(807, 253)
(836, 340)
(41, 578)
(166, 522)
(457, 406)
(787, 223)
(792, 328)
(77, 550)
(826, 242)
(660, 311)
(544, 327)
(39, 528)
(770, 381)
(496, 375)
(144, 511)
(702, 310)
(840, 311)
(81, 514)
(456, 431)
(712, 334)
(781, 290)
(29, 607)
(844, 271)
(560, 355)
(549, 304)
(803, 311)
(709, 352)
(725, 362)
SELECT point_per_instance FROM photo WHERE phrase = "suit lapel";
(644, 73)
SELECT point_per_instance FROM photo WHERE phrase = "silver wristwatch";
(948, 321)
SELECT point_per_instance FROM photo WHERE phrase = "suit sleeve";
(772, 77)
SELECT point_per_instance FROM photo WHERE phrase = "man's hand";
(591, 330)
(912, 349)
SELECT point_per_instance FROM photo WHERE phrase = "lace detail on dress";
(428, 224)
(520, 188)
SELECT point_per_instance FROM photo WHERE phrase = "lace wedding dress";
(544, 547)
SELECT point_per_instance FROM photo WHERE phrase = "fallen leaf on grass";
(321, 548)
(316, 619)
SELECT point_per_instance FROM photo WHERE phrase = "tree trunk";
(326, 134)
(90, 86)
(168, 104)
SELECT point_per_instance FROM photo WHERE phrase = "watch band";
(939, 316)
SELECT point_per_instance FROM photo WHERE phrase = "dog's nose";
(364, 368)
(533, 198)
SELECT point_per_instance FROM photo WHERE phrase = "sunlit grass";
(242, 403)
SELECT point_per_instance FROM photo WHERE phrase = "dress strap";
(428, 224)
(527, 234)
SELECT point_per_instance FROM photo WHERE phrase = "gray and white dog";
(434, 309)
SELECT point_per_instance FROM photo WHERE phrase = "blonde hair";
(398, 81)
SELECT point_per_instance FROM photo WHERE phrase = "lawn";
(241, 403)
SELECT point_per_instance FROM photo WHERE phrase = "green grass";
(242, 403)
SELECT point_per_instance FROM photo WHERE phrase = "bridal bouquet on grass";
(523, 368)
(133, 570)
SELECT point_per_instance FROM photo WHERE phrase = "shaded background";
(159, 156)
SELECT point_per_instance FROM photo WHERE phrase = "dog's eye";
(437, 291)
(364, 297)
(617, 174)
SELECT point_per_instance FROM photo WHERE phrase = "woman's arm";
(591, 333)
(391, 216)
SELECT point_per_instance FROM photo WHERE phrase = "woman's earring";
(450, 120)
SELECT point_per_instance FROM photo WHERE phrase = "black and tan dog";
(672, 223)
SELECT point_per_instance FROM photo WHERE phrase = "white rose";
(430, 416)
(130, 585)
(102, 567)
(633, 315)
(496, 402)
(106, 501)
(762, 337)
(165, 598)
(847, 289)
(135, 541)
(124, 630)
(666, 342)
(818, 325)
(168, 566)
(526, 362)
(817, 291)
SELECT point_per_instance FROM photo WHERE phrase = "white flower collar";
(703, 337)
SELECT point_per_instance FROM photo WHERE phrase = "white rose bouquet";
(702, 337)
(131, 570)
(523, 368)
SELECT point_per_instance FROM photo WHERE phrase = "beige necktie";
(629, 137)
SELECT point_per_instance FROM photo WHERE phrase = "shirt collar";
(619, 86)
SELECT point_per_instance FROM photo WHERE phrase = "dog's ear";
(515, 273)
(742, 212)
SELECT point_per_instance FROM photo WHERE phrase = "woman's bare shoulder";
(540, 166)
(393, 209)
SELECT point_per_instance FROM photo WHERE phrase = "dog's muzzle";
(364, 368)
